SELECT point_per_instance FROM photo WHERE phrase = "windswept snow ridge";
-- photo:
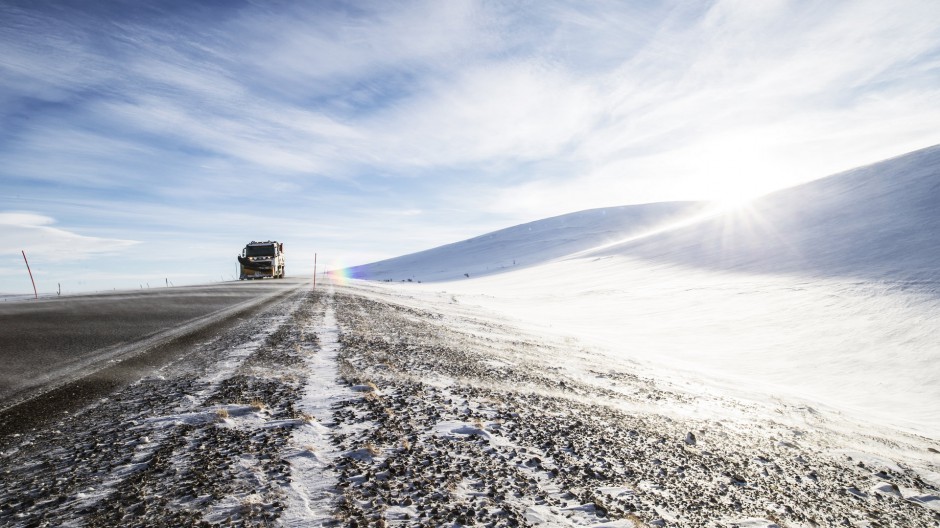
(827, 293)
(312, 497)
(876, 223)
(528, 244)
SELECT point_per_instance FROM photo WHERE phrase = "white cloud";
(304, 52)
(34, 234)
(21, 219)
(51, 66)
(497, 113)
(750, 96)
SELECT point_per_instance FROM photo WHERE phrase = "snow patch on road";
(312, 493)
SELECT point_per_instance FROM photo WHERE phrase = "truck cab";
(262, 259)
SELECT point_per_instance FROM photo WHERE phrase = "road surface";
(50, 341)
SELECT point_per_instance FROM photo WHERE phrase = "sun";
(734, 189)
(732, 197)
(734, 201)
(732, 180)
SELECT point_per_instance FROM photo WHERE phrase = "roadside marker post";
(35, 293)
(314, 271)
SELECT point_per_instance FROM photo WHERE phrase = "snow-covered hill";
(527, 244)
(825, 294)
(880, 222)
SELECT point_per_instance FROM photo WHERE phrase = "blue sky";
(150, 141)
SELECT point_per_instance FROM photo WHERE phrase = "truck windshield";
(259, 251)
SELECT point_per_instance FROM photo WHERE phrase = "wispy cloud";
(755, 97)
(35, 234)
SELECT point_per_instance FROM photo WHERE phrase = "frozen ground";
(867, 350)
(826, 293)
(363, 404)
(554, 435)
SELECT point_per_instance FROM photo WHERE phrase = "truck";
(262, 259)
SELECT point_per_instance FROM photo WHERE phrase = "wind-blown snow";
(877, 223)
(826, 293)
(527, 244)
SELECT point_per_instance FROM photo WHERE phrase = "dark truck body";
(262, 259)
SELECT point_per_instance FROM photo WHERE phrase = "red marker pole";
(35, 293)
(314, 271)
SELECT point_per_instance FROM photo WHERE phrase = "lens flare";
(340, 274)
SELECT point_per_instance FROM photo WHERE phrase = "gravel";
(445, 422)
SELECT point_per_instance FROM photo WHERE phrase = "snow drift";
(528, 244)
(879, 222)
(825, 293)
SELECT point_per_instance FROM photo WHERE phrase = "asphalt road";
(46, 342)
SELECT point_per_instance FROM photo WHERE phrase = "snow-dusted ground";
(379, 404)
(869, 350)
(827, 293)
(313, 479)
(226, 434)
(523, 425)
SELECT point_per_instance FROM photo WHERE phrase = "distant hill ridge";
(527, 244)
(878, 222)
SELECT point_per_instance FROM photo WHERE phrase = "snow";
(754, 333)
(876, 223)
(455, 430)
(529, 244)
(928, 501)
(547, 516)
(313, 482)
(754, 523)
(820, 298)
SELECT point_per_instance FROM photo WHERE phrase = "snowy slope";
(527, 244)
(880, 222)
(825, 294)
